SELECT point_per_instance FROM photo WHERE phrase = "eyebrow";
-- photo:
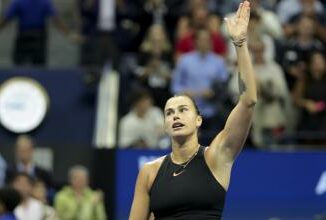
(170, 109)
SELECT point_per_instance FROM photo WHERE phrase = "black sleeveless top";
(194, 194)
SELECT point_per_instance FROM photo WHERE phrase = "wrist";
(239, 43)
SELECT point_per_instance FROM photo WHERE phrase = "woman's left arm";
(230, 140)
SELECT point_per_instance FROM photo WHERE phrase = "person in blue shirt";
(9, 199)
(197, 73)
(31, 40)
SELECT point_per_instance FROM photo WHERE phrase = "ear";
(199, 121)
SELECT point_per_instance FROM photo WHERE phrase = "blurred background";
(83, 84)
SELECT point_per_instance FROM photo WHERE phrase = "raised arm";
(230, 140)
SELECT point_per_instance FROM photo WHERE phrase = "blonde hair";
(147, 45)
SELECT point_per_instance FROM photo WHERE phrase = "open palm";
(237, 25)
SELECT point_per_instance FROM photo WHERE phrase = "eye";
(168, 113)
(183, 109)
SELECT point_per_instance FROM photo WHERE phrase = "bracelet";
(239, 43)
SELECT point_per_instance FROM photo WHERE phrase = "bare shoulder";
(152, 167)
(150, 170)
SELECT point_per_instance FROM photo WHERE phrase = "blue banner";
(263, 184)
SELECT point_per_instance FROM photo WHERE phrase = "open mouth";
(177, 125)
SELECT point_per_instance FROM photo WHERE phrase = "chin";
(180, 134)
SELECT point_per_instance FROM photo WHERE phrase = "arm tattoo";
(242, 85)
(251, 105)
(243, 88)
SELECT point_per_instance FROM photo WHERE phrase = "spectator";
(29, 208)
(287, 8)
(31, 41)
(294, 53)
(200, 19)
(40, 193)
(197, 73)
(3, 168)
(134, 17)
(157, 9)
(97, 18)
(156, 41)
(255, 33)
(9, 200)
(154, 71)
(269, 22)
(142, 127)
(78, 201)
(318, 18)
(310, 96)
(272, 117)
(24, 152)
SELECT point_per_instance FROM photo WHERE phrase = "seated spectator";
(310, 96)
(288, 8)
(9, 200)
(318, 18)
(154, 71)
(40, 193)
(24, 152)
(196, 75)
(273, 113)
(294, 53)
(156, 41)
(29, 208)
(143, 126)
(31, 40)
(200, 19)
(78, 201)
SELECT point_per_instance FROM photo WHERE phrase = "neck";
(304, 39)
(78, 191)
(182, 150)
(259, 61)
(25, 200)
(25, 163)
(140, 114)
(203, 53)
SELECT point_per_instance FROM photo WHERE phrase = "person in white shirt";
(143, 126)
(29, 208)
(270, 23)
(274, 113)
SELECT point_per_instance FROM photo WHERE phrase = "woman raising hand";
(191, 182)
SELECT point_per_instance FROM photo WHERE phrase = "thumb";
(228, 23)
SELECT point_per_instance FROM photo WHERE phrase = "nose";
(175, 117)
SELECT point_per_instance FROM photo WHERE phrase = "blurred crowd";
(29, 192)
(165, 47)
(161, 48)
(181, 47)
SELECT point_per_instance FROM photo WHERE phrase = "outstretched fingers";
(245, 12)
(239, 10)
